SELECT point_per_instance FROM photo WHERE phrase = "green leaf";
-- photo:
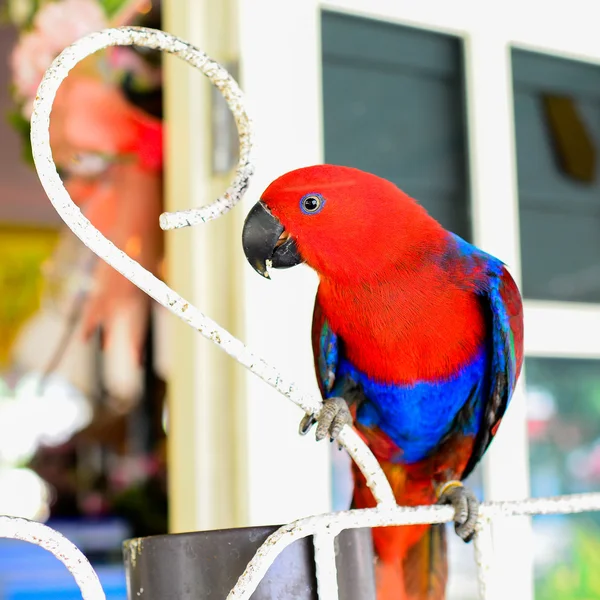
(112, 7)
(22, 126)
(18, 121)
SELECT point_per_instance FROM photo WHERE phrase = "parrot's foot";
(330, 421)
(466, 508)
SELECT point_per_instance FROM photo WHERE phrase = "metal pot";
(207, 564)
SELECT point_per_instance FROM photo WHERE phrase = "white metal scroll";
(45, 537)
(323, 528)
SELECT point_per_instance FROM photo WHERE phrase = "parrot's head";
(339, 220)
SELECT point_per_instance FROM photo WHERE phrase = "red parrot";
(418, 341)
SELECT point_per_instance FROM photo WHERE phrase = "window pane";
(563, 399)
(557, 122)
(394, 105)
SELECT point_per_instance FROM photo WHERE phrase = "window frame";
(488, 32)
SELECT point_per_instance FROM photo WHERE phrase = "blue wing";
(503, 306)
(325, 351)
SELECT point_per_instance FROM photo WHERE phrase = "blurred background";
(116, 420)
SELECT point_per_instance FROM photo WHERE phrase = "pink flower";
(29, 61)
(56, 26)
(64, 22)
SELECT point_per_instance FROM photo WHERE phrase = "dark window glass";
(557, 122)
(394, 106)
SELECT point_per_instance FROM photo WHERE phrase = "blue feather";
(417, 417)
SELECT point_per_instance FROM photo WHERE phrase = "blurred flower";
(56, 26)
(541, 408)
(90, 116)
(64, 22)
(29, 61)
(110, 155)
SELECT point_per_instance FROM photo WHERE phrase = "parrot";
(417, 338)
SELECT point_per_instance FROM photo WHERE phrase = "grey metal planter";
(206, 565)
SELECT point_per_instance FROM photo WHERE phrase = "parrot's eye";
(312, 203)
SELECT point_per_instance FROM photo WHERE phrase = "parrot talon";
(306, 424)
(332, 418)
(466, 508)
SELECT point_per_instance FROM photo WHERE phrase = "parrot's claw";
(466, 508)
(306, 424)
(330, 421)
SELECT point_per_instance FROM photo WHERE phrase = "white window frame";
(280, 51)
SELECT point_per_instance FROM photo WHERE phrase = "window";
(557, 125)
(557, 131)
(393, 105)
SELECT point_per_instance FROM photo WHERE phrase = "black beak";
(264, 244)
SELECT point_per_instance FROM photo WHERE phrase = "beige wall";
(235, 457)
(206, 479)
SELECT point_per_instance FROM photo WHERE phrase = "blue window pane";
(557, 125)
(563, 399)
(394, 105)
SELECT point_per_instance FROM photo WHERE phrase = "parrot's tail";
(412, 560)
(409, 569)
